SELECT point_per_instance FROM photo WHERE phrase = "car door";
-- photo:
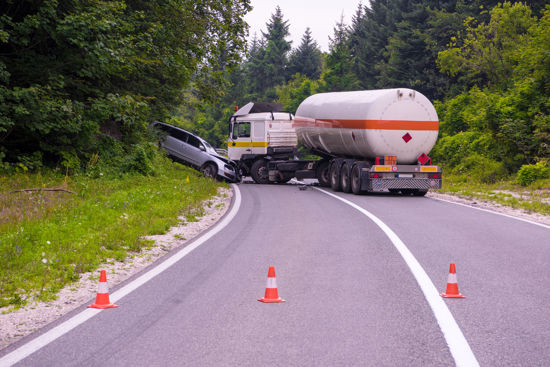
(196, 151)
(173, 141)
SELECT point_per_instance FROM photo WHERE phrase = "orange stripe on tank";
(367, 124)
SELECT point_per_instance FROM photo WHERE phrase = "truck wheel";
(345, 180)
(323, 173)
(335, 177)
(355, 179)
(259, 173)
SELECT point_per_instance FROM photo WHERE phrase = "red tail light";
(435, 175)
(375, 175)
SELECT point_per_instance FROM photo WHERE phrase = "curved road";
(352, 300)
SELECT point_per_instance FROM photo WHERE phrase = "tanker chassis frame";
(356, 176)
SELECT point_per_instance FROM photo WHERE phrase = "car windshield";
(209, 147)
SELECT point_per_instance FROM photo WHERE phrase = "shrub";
(483, 169)
(529, 173)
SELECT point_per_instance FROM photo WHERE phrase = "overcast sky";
(319, 15)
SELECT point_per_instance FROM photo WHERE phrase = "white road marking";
(492, 211)
(459, 347)
(51, 335)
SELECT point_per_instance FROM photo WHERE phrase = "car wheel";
(335, 177)
(209, 170)
(259, 172)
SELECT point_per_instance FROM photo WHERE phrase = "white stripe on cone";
(103, 287)
(452, 278)
(271, 283)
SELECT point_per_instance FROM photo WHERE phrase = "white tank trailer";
(373, 140)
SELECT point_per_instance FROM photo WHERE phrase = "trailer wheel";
(355, 179)
(323, 173)
(259, 173)
(345, 180)
(335, 177)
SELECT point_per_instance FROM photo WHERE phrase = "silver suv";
(194, 151)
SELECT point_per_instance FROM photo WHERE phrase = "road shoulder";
(16, 324)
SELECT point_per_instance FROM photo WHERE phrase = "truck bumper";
(386, 184)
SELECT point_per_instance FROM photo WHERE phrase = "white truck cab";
(258, 133)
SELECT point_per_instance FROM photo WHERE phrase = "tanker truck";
(366, 141)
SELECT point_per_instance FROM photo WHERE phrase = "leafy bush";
(451, 150)
(482, 169)
(529, 173)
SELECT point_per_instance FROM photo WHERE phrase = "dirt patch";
(15, 324)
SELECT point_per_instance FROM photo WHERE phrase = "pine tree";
(306, 59)
(255, 69)
(276, 53)
(339, 74)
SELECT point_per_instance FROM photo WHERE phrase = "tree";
(508, 108)
(82, 77)
(276, 52)
(339, 74)
(487, 55)
(306, 59)
(256, 69)
(295, 91)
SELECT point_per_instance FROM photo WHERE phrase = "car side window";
(178, 134)
(194, 141)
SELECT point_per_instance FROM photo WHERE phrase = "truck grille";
(282, 139)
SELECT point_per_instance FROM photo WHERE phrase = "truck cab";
(260, 132)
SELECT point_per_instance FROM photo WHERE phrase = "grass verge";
(533, 198)
(47, 238)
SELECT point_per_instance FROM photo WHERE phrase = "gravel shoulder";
(15, 324)
(487, 205)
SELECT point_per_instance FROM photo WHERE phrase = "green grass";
(533, 198)
(47, 239)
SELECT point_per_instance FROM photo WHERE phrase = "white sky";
(319, 15)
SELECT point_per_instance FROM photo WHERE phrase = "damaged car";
(190, 149)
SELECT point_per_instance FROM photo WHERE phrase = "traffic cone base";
(271, 300)
(444, 295)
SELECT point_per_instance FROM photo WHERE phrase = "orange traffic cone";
(102, 298)
(452, 285)
(271, 293)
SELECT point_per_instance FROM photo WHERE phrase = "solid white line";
(63, 328)
(459, 347)
(492, 211)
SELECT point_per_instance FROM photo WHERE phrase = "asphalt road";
(351, 298)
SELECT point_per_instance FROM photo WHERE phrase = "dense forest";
(81, 80)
